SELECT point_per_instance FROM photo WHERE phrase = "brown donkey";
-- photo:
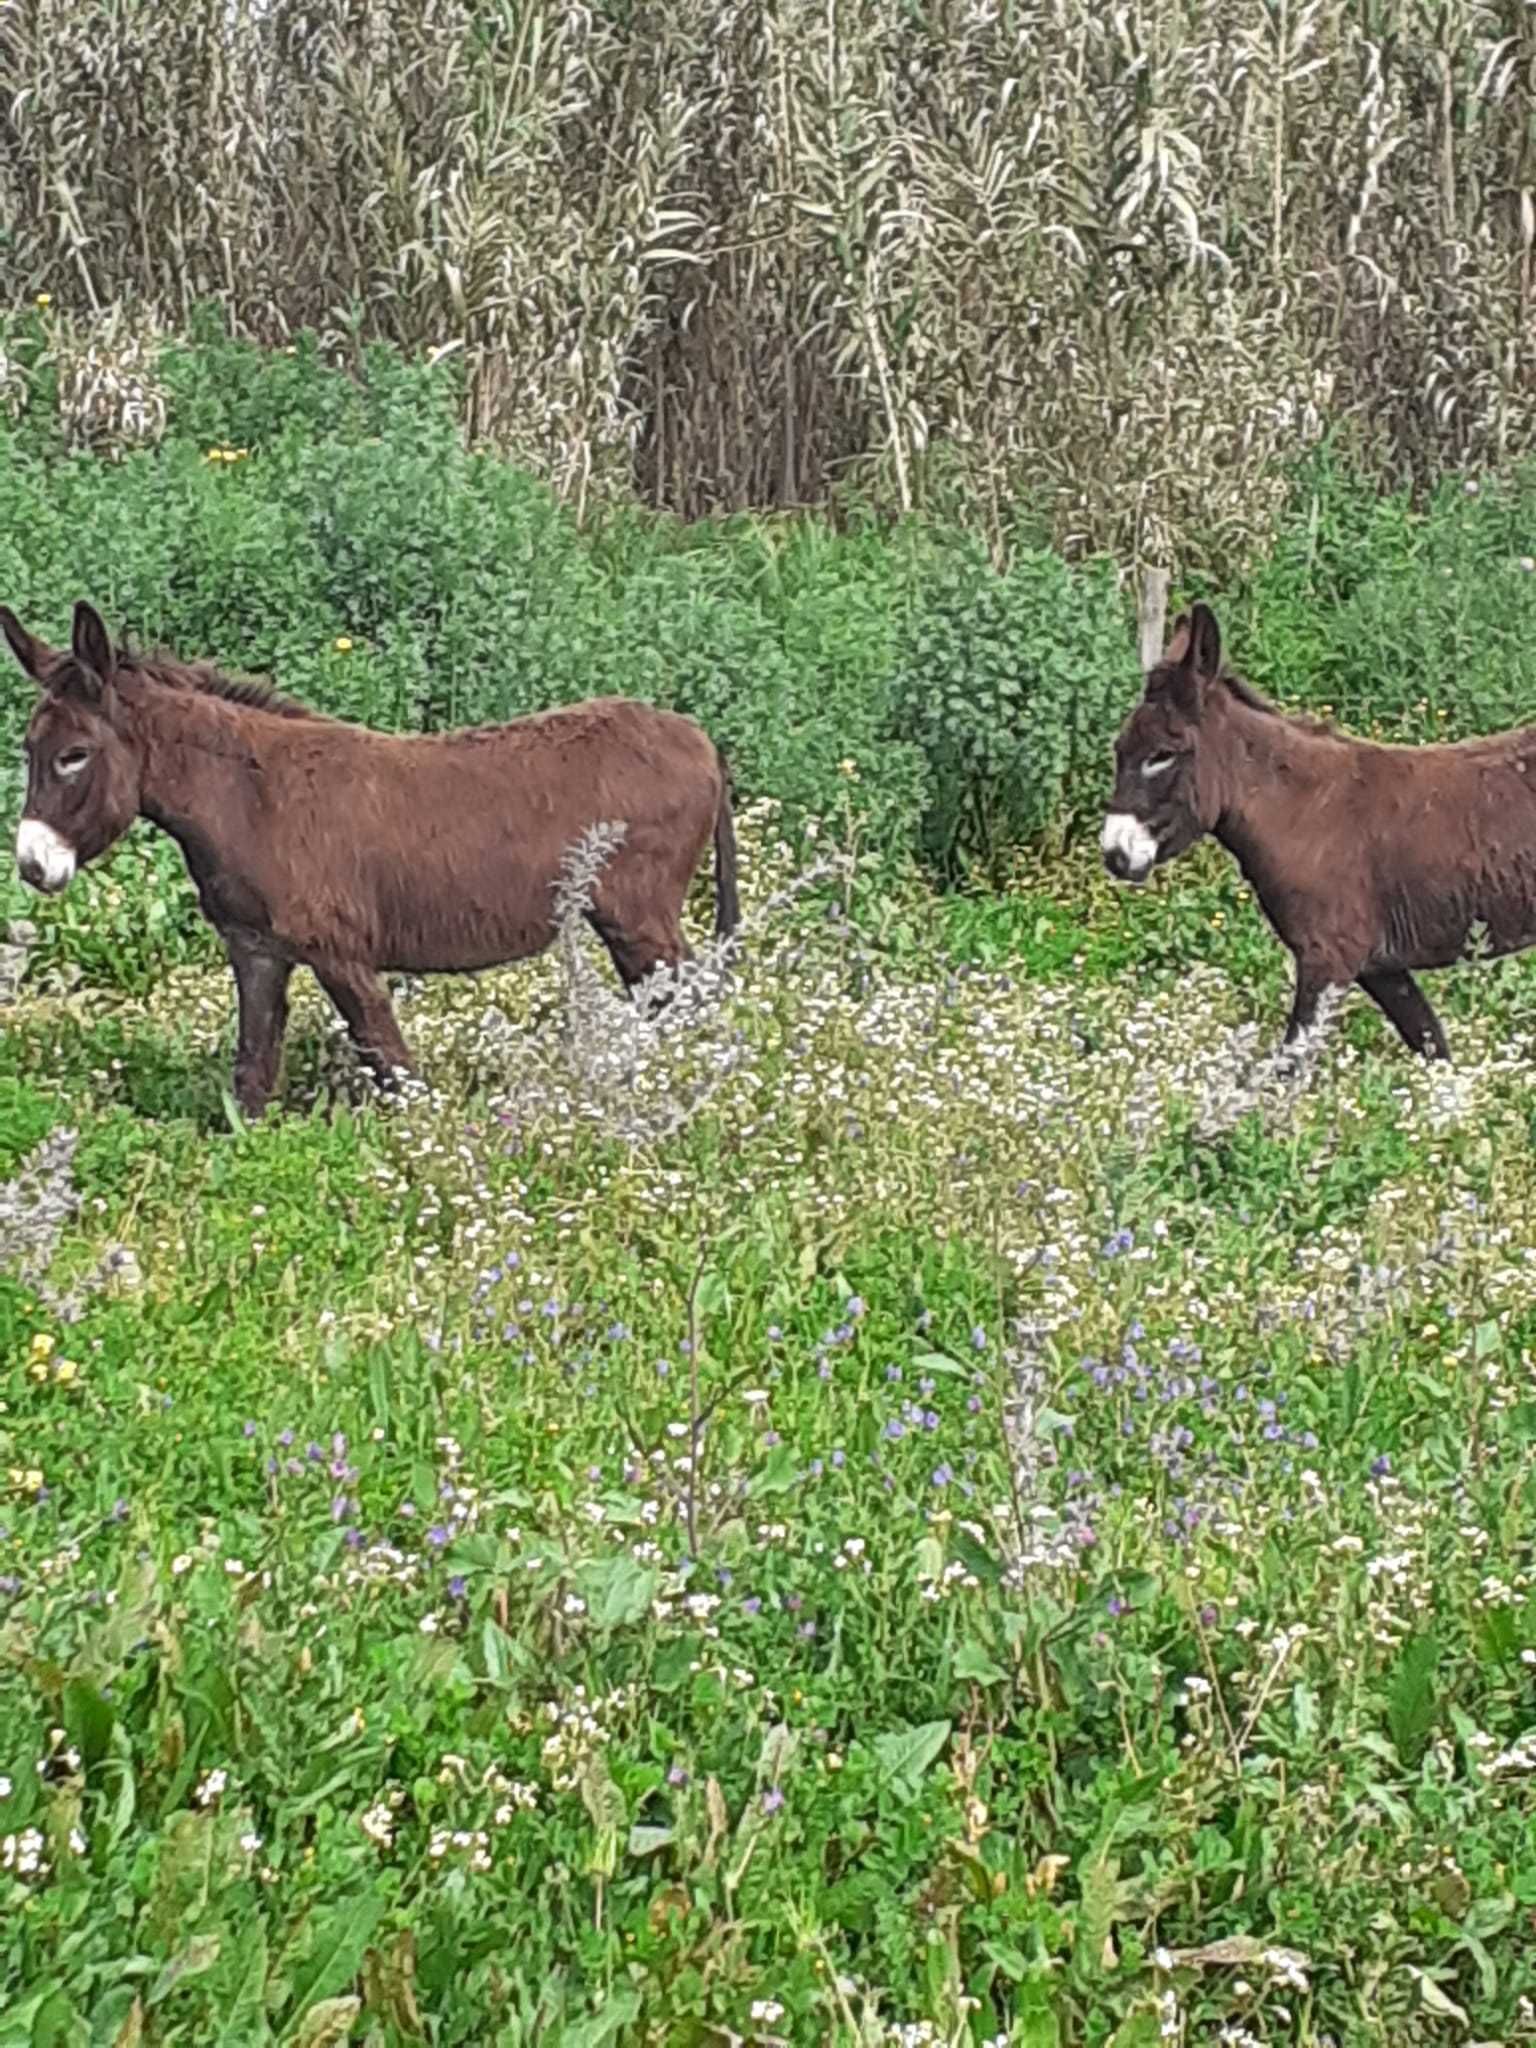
(317, 843)
(1369, 860)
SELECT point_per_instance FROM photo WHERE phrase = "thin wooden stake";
(1152, 616)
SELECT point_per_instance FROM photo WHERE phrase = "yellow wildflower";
(44, 301)
(343, 644)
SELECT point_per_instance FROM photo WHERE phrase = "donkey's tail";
(727, 902)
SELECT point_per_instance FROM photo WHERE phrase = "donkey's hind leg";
(261, 984)
(638, 950)
(1402, 1001)
(369, 1015)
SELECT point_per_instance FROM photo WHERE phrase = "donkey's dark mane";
(1255, 700)
(250, 693)
(1240, 689)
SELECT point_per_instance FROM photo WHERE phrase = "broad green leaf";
(975, 1557)
(89, 1720)
(618, 1590)
(1411, 1703)
(58, 2025)
(1304, 1708)
(617, 2011)
(674, 1663)
(244, 2016)
(778, 1473)
(1141, 2030)
(16, 2025)
(1100, 1884)
(336, 1952)
(1434, 1999)
(972, 1662)
(940, 1364)
(907, 1753)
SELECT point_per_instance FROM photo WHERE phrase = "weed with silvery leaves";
(1271, 1084)
(36, 1206)
(641, 1065)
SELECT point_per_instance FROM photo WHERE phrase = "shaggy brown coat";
(316, 842)
(1370, 860)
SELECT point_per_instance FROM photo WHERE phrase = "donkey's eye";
(1158, 764)
(73, 763)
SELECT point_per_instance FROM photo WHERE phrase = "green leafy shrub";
(1413, 624)
(1011, 686)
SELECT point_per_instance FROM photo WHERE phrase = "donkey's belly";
(438, 916)
(466, 950)
(1484, 932)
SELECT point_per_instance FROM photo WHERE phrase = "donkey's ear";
(1204, 655)
(31, 653)
(1176, 653)
(91, 643)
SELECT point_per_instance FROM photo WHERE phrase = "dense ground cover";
(924, 1500)
(906, 1509)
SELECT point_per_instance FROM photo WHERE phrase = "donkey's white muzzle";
(1130, 851)
(46, 859)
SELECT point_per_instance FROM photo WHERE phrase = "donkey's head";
(82, 769)
(1167, 777)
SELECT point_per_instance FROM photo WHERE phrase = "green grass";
(925, 1553)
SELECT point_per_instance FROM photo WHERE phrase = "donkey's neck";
(200, 768)
(1274, 772)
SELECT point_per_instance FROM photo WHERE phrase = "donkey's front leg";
(261, 982)
(369, 1015)
(1313, 980)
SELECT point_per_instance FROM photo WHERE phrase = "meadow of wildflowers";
(917, 1495)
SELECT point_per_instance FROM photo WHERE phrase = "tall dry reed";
(1120, 262)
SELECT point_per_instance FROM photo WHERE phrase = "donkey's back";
(440, 852)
